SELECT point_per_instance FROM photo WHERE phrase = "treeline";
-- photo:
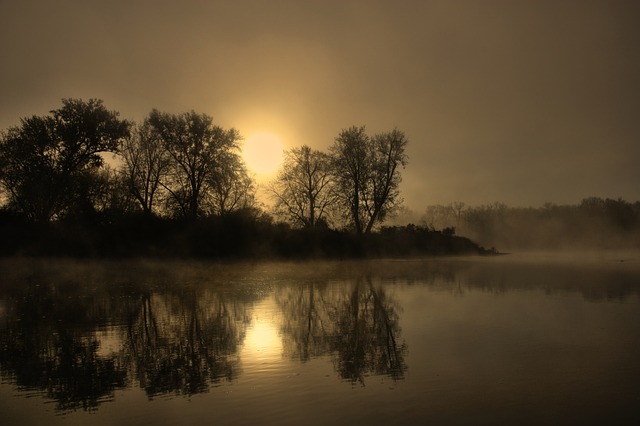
(170, 165)
(593, 223)
(182, 189)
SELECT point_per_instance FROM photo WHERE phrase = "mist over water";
(523, 338)
(595, 224)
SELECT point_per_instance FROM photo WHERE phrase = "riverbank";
(233, 237)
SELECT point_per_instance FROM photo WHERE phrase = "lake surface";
(519, 339)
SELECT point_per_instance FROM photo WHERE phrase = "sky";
(522, 102)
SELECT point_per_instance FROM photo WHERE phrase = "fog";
(594, 224)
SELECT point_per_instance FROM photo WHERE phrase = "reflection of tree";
(57, 357)
(76, 377)
(180, 341)
(303, 327)
(181, 344)
(358, 325)
(367, 330)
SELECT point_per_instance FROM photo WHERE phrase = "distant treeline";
(594, 223)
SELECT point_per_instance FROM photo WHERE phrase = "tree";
(197, 149)
(387, 156)
(303, 189)
(367, 173)
(146, 163)
(109, 192)
(46, 160)
(230, 187)
(458, 208)
(350, 160)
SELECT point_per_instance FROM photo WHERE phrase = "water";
(517, 339)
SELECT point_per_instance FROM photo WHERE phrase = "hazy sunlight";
(263, 153)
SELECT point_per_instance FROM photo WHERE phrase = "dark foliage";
(240, 234)
(48, 164)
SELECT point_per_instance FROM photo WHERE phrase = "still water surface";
(514, 339)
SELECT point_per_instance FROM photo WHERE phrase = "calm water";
(514, 339)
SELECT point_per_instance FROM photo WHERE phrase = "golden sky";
(519, 101)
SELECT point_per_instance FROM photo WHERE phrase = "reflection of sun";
(262, 346)
(263, 153)
(263, 337)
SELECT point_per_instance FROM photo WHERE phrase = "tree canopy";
(47, 160)
(358, 180)
(367, 174)
(303, 190)
(200, 152)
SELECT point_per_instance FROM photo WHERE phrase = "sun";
(263, 153)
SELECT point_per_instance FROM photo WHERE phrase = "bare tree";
(104, 190)
(197, 148)
(387, 157)
(351, 170)
(303, 189)
(458, 208)
(146, 163)
(230, 187)
(367, 173)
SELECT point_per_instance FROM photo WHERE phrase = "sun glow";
(263, 153)
(262, 342)
(263, 337)
(262, 349)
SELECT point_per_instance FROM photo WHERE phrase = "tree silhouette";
(145, 164)
(230, 187)
(367, 174)
(303, 190)
(349, 155)
(387, 155)
(46, 160)
(198, 150)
